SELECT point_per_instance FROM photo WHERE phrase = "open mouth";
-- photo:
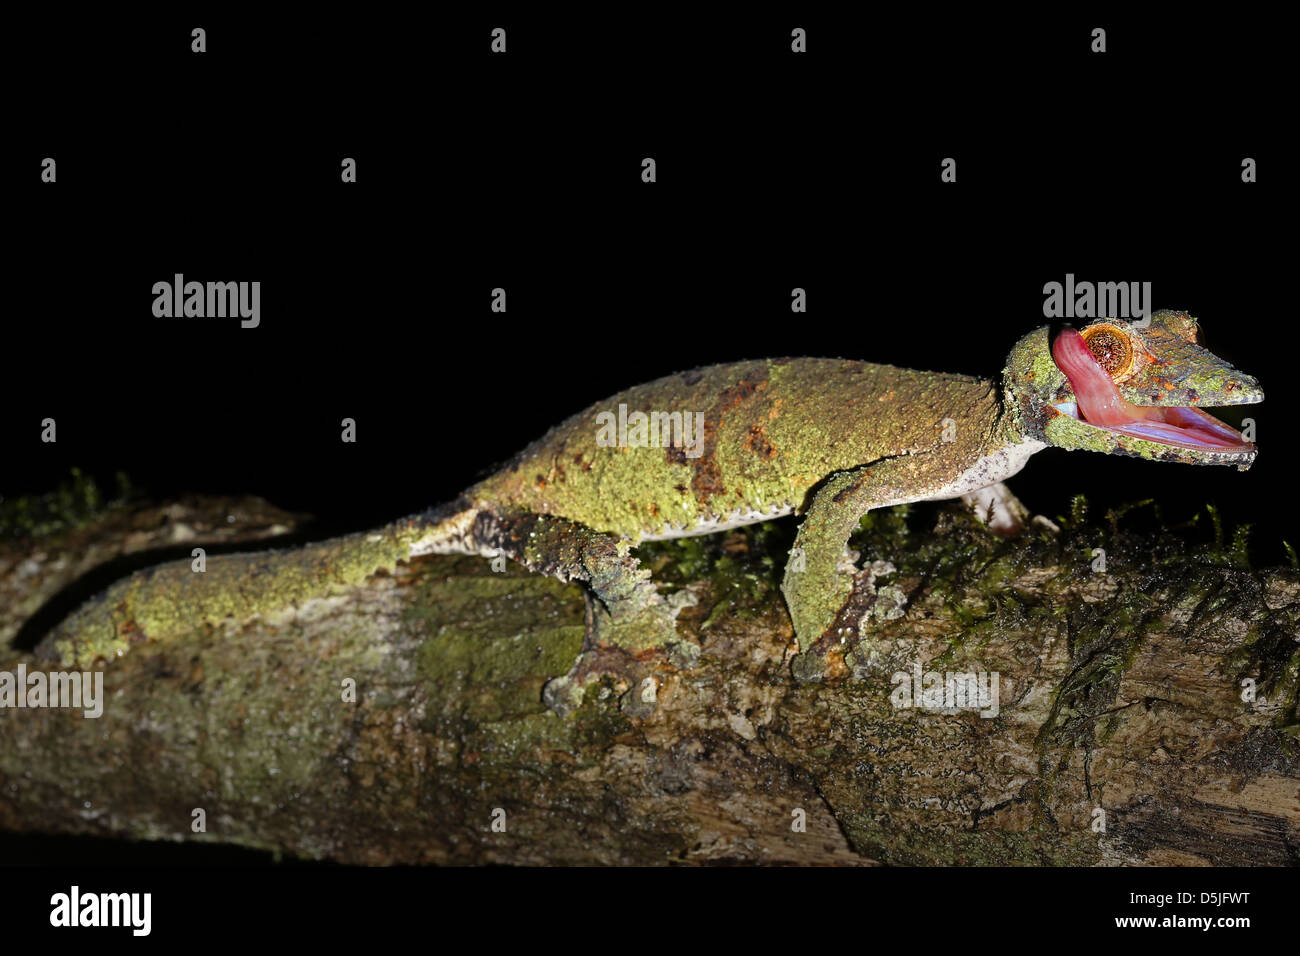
(1100, 404)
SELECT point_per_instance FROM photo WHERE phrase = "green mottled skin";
(826, 438)
(774, 430)
(1177, 372)
(173, 599)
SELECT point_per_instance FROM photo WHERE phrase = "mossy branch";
(1145, 713)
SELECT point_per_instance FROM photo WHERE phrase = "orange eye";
(1113, 350)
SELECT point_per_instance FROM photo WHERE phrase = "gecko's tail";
(453, 528)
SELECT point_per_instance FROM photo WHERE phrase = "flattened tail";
(454, 528)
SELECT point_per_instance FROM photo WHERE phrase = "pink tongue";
(1100, 403)
(1099, 400)
(1187, 437)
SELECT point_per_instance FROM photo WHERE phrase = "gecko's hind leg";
(630, 626)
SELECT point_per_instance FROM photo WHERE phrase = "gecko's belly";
(989, 470)
(736, 519)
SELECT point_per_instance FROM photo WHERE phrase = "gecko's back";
(730, 444)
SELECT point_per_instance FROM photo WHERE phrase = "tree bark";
(1123, 731)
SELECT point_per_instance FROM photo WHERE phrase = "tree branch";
(1121, 735)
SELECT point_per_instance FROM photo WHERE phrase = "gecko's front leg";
(819, 577)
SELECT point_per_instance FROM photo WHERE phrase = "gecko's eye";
(1113, 350)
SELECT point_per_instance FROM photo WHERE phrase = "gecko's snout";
(1091, 372)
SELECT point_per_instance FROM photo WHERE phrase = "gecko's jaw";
(1098, 403)
(1182, 427)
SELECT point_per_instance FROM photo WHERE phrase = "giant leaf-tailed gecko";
(826, 439)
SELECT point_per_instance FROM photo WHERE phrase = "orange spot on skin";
(758, 443)
(836, 667)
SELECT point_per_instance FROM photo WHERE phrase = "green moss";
(526, 739)
(1234, 554)
(494, 639)
(743, 567)
(76, 501)
(1078, 514)
(1115, 515)
(173, 599)
(485, 677)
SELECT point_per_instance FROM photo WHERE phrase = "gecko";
(825, 439)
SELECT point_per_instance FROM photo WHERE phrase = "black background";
(523, 171)
(477, 171)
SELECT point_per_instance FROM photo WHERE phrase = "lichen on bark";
(1122, 736)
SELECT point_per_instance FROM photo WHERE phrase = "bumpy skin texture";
(784, 435)
(773, 431)
(826, 438)
(1170, 369)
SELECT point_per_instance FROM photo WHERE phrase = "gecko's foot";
(633, 648)
(826, 657)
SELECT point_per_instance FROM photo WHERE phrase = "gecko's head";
(1129, 389)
